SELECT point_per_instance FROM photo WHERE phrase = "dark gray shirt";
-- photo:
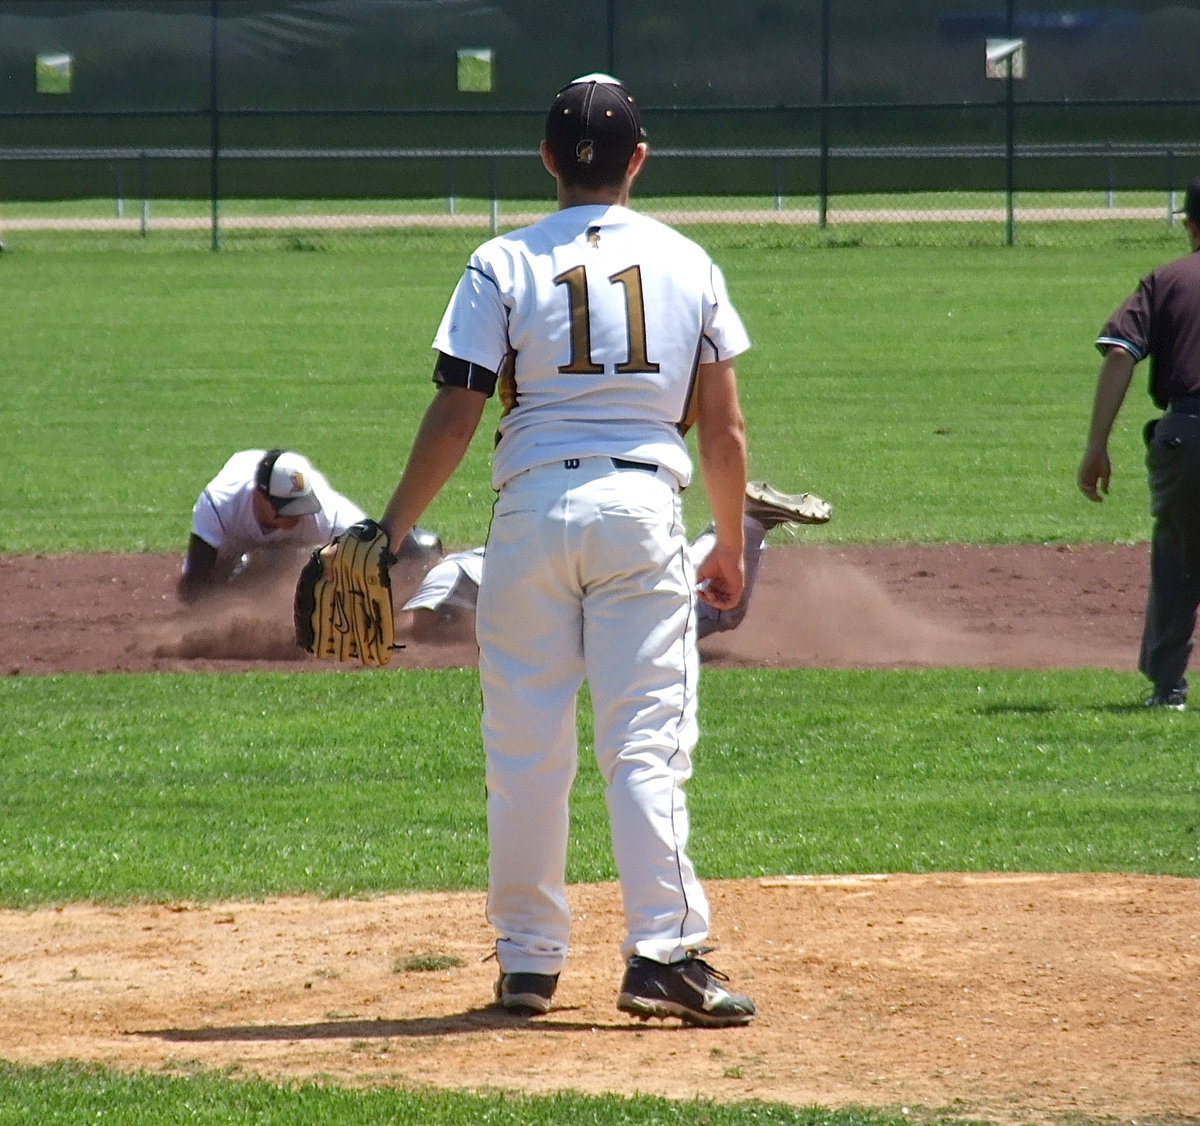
(1161, 319)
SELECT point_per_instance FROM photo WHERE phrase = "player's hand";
(721, 578)
(1095, 472)
(328, 556)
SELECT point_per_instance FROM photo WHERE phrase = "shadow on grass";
(1135, 707)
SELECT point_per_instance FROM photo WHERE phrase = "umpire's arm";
(1095, 470)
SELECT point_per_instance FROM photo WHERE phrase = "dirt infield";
(1025, 606)
(1015, 997)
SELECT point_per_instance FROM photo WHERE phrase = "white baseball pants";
(588, 576)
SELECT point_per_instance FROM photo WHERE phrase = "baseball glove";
(343, 604)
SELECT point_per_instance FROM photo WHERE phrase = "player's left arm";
(721, 437)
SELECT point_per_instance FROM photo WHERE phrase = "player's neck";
(587, 197)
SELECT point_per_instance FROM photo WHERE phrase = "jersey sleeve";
(434, 587)
(474, 327)
(450, 371)
(1129, 326)
(207, 523)
(724, 334)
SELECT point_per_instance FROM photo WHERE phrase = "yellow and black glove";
(343, 604)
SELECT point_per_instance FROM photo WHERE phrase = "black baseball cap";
(592, 128)
(1191, 201)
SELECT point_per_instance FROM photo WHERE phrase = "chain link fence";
(241, 123)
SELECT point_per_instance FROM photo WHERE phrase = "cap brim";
(297, 506)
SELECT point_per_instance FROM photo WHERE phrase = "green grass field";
(123, 788)
(933, 395)
(70, 1095)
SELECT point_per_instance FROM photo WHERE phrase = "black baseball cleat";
(770, 507)
(1173, 699)
(526, 993)
(690, 990)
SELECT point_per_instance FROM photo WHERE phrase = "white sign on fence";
(1003, 54)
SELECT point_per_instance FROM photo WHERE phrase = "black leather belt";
(1185, 406)
(625, 463)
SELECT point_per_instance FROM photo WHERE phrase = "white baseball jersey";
(223, 516)
(595, 356)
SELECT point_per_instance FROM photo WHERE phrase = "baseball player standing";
(1160, 319)
(606, 334)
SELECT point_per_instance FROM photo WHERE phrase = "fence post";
(1010, 165)
(612, 36)
(1170, 187)
(823, 159)
(1010, 136)
(214, 128)
(144, 190)
(494, 192)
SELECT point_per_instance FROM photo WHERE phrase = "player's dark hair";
(262, 473)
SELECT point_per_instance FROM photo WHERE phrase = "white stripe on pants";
(587, 575)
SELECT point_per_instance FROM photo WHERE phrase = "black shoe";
(1175, 699)
(526, 993)
(690, 989)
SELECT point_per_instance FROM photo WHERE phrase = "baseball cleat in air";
(526, 993)
(770, 507)
(690, 990)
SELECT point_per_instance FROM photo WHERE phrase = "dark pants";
(1173, 463)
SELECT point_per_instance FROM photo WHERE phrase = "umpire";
(1160, 319)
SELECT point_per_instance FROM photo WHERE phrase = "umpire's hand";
(1095, 471)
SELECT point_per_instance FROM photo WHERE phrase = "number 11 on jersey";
(630, 279)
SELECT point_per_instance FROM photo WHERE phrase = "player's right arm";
(199, 569)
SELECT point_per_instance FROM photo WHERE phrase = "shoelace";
(693, 958)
